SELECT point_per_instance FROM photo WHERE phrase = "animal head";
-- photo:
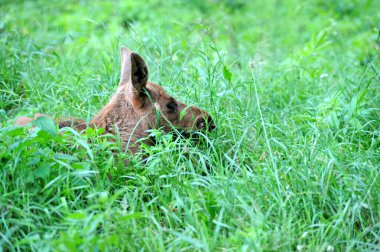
(139, 105)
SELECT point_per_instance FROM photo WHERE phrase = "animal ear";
(126, 65)
(133, 76)
(139, 73)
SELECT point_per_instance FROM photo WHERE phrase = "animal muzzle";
(206, 124)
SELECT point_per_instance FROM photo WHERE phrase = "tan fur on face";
(132, 110)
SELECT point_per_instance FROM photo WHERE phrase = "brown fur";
(138, 106)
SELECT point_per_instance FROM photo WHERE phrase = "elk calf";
(139, 105)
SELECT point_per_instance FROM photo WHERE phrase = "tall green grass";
(293, 88)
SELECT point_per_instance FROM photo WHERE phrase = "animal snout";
(206, 123)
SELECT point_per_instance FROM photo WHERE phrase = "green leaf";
(29, 178)
(43, 171)
(77, 216)
(46, 125)
(183, 113)
(63, 156)
(227, 74)
(334, 120)
(3, 115)
(137, 215)
(12, 131)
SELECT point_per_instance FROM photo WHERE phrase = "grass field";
(293, 86)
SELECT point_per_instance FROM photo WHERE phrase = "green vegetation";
(292, 85)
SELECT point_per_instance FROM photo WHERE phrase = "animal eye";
(171, 107)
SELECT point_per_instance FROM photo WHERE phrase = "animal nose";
(209, 125)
